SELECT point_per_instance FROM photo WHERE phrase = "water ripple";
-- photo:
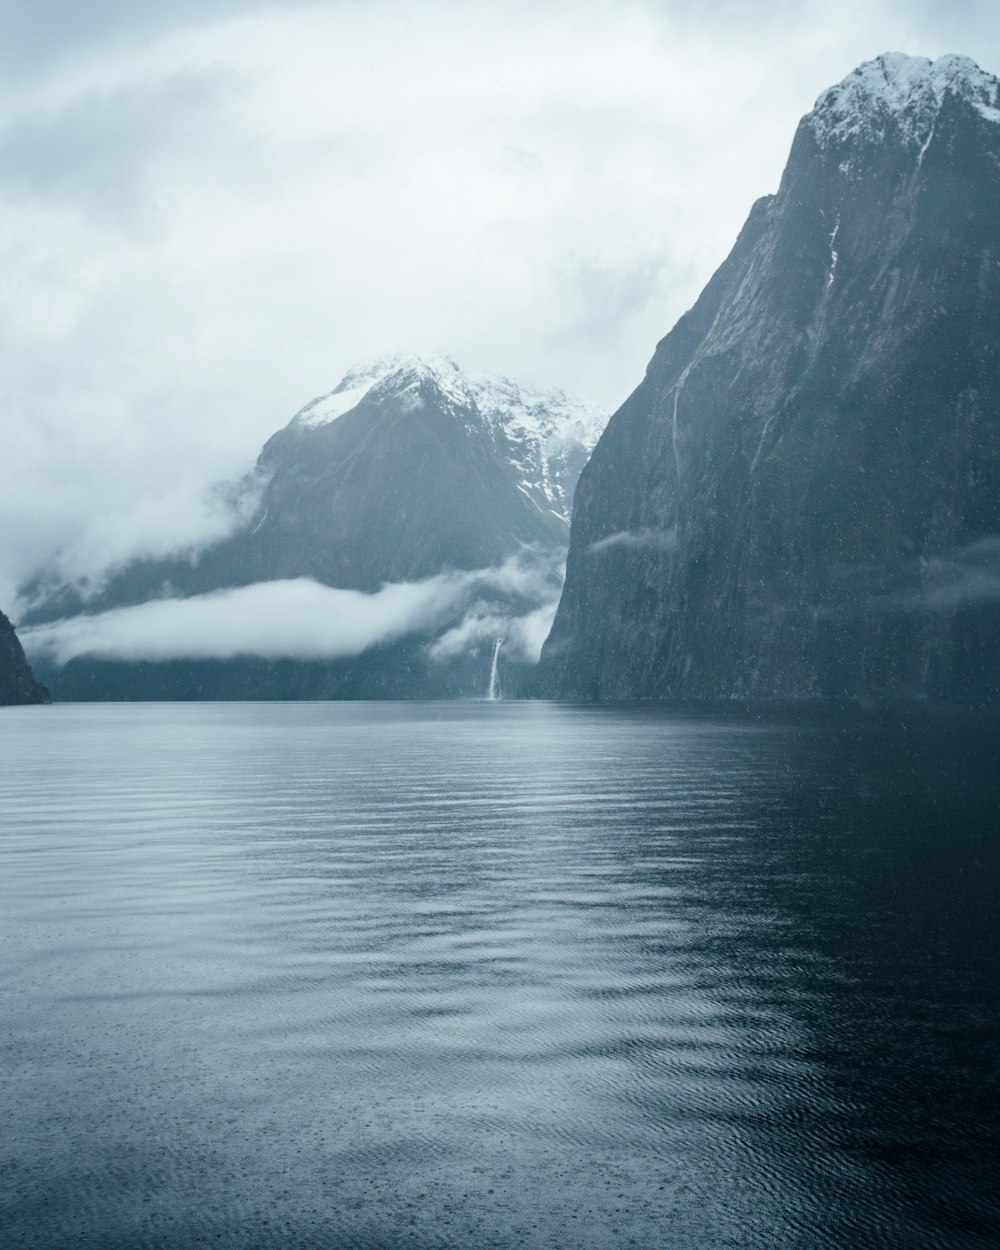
(494, 975)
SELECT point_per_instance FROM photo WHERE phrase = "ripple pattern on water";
(494, 975)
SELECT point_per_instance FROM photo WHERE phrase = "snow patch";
(536, 430)
(902, 91)
(329, 407)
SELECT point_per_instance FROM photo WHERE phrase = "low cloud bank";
(179, 523)
(645, 539)
(523, 635)
(964, 576)
(303, 619)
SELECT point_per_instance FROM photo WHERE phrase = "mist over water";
(496, 974)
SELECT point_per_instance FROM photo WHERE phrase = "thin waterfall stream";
(494, 691)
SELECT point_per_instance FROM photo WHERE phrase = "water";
(495, 975)
(494, 691)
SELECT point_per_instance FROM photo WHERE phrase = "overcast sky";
(211, 209)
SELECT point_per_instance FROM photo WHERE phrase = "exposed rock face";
(426, 470)
(408, 470)
(17, 685)
(803, 496)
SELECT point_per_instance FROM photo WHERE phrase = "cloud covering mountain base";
(442, 622)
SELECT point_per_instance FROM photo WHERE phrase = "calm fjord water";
(495, 975)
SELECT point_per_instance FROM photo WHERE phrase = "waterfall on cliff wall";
(494, 691)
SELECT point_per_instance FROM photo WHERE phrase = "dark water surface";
(397, 976)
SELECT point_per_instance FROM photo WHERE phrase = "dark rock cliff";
(802, 498)
(17, 685)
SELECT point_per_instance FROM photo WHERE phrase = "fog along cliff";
(408, 471)
(17, 685)
(802, 497)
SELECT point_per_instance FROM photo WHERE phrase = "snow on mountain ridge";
(908, 90)
(544, 435)
(550, 414)
(390, 373)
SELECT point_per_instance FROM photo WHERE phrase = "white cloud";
(523, 635)
(299, 618)
(961, 577)
(180, 522)
(206, 222)
(303, 619)
(650, 539)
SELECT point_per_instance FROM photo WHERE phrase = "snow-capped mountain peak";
(905, 90)
(386, 374)
(545, 435)
(497, 399)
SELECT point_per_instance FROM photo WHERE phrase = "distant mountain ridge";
(407, 471)
(546, 436)
(407, 468)
(802, 497)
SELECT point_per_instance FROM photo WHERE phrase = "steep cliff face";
(803, 496)
(17, 685)
(440, 501)
(409, 467)
(426, 470)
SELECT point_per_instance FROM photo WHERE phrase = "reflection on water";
(495, 975)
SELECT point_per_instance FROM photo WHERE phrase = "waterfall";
(494, 691)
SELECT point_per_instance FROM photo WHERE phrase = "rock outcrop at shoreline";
(17, 684)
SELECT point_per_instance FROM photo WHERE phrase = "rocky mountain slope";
(802, 497)
(408, 470)
(17, 684)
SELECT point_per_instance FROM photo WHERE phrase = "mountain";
(802, 497)
(407, 470)
(415, 468)
(17, 685)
